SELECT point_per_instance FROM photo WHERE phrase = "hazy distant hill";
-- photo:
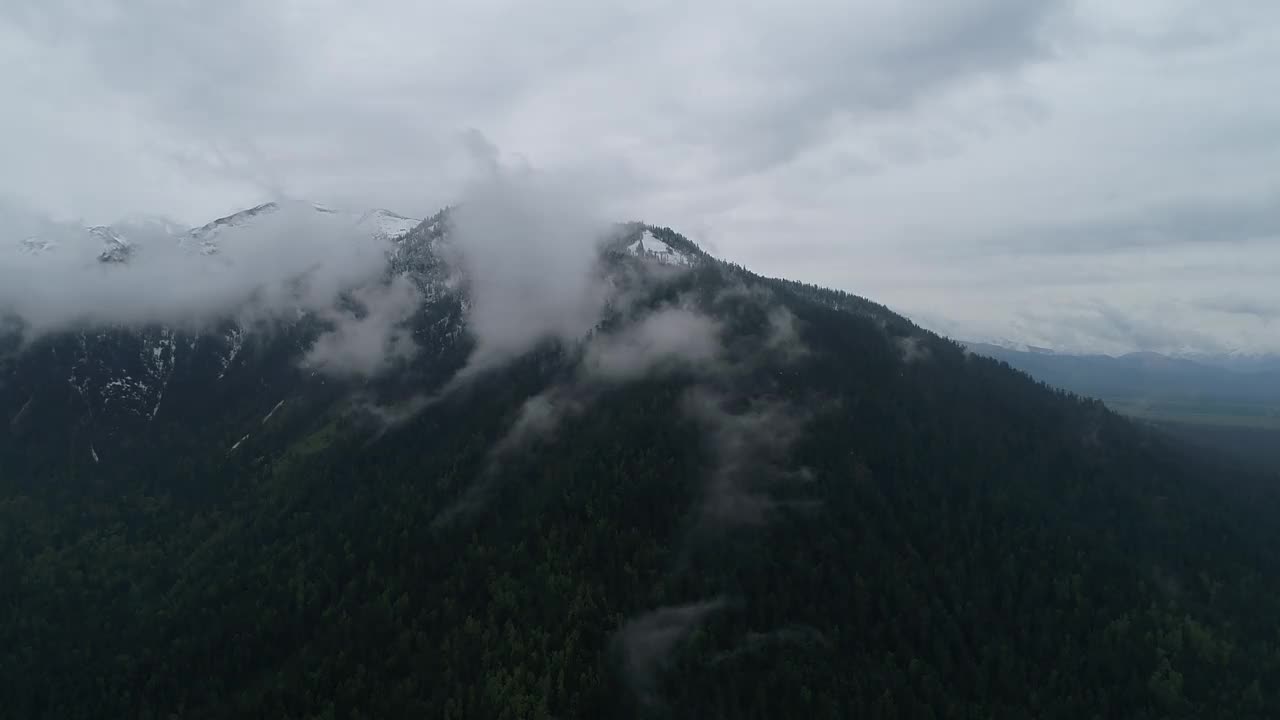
(1142, 375)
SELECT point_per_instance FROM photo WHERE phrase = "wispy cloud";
(749, 440)
(668, 336)
(647, 643)
(527, 243)
(368, 334)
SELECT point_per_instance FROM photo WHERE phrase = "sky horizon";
(1068, 174)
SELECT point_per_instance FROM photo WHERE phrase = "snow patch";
(94, 453)
(273, 412)
(236, 339)
(22, 412)
(238, 443)
(162, 365)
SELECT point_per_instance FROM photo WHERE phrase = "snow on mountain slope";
(388, 224)
(129, 372)
(120, 241)
(381, 224)
(651, 248)
(115, 248)
(205, 238)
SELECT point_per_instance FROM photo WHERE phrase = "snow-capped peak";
(205, 237)
(651, 248)
(381, 224)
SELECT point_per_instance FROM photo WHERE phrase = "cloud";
(749, 441)
(756, 643)
(295, 258)
(1235, 305)
(911, 348)
(668, 336)
(527, 243)
(1102, 325)
(540, 416)
(880, 148)
(646, 644)
(784, 334)
(892, 56)
(369, 336)
(665, 340)
(668, 339)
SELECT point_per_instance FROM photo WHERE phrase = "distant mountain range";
(1148, 375)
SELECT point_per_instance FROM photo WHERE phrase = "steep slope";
(736, 497)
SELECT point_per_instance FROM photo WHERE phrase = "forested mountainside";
(735, 497)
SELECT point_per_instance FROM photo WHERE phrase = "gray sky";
(1090, 175)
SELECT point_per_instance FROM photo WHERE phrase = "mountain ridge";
(731, 496)
(118, 241)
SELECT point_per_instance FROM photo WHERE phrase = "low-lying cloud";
(527, 243)
(647, 643)
(667, 340)
(671, 336)
(911, 348)
(749, 442)
(370, 334)
(784, 334)
(276, 263)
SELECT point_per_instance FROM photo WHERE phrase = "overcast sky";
(1094, 175)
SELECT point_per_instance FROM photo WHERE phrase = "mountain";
(377, 223)
(104, 387)
(730, 496)
(1140, 374)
